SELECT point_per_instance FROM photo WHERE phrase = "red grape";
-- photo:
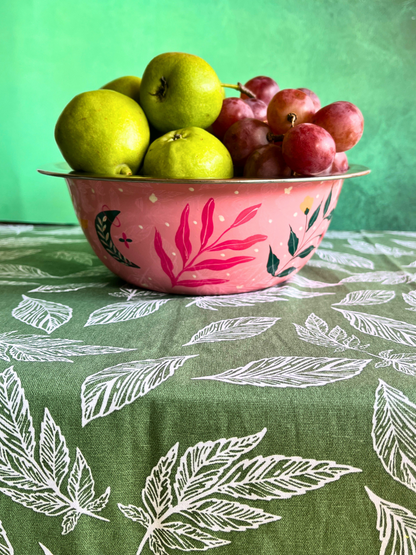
(267, 162)
(285, 102)
(308, 149)
(233, 109)
(344, 121)
(263, 87)
(243, 137)
(339, 165)
(259, 108)
(313, 96)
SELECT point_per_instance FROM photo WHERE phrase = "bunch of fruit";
(175, 123)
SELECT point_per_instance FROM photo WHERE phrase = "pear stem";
(123, 169)
(241, 88)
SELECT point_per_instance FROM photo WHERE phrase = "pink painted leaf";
(198, 282)
(207, 221)
(182, 240)
(213, 264)
(246, 215)
(238, 244)
(166, 262)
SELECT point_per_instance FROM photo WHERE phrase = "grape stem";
(272, 138)
(292, 117)
(241, 88)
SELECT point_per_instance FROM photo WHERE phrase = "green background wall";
(356, 50)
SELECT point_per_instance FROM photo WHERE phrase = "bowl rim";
(62, 169)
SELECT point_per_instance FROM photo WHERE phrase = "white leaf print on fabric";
(326, 244)
(22, 271)
(12, 255)
(233, 329)
(394, 434)
(291, 371)
(53, 452)
(44, 315)
(314, 263)
(202, 465)
(17, 433)
(316, 331)
(408, 244)
(15, 229)
(302, 281)
(95, 271)
(130, 293)
(136, 514)
(5, 546)
(292, 292)
(270, 295)
(279, 477)
(177, 535)
(397, 527)
(157, 493)
(31, 348)
(211, 468)
(45, 549)
(386, 278)
(386, 328)
(123, 312)
(14, 242)
(333, 234)
(70, 256)
(402, 362)
(19, 283)
(66, 288)
(410, 298)
(368, 248)
(73, 230)
(80, 482)
(344, 258)
(227, 516)
(113, 388)
(405, 233)
(367, 297)
(34, 485)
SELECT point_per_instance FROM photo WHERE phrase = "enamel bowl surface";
(204, 237)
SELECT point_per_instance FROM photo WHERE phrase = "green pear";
(103, 132)
(180, 90)
(189, 153)
(128, 85)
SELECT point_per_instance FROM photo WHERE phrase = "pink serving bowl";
(204, 237)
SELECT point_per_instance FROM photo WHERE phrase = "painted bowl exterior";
(204, 238)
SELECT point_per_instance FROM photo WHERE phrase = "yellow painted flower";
(306, 205)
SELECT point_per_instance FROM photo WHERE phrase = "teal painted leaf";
(314, 217)
(103, 222)
(293, 242)
(272, 263)
(286, 272)
(329, 217)
(307, 251)
(327, 203)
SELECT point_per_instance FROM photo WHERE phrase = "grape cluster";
(277, 133)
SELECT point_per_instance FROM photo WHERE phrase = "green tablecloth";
(280, 421)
